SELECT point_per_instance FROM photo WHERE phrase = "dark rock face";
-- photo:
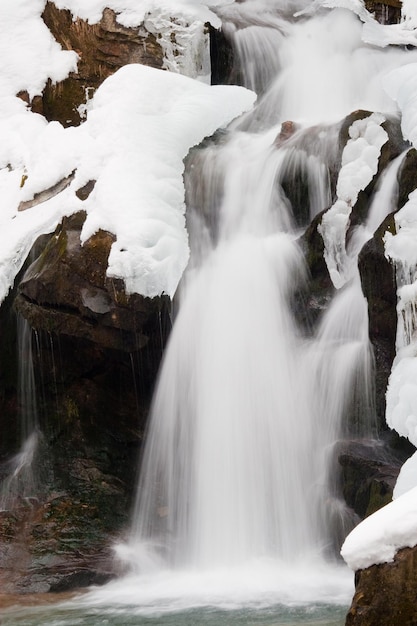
(369, 471)
(386, 594)
(66, 291)
(407, 179)
(380, 290)
(96, 355)
(222, 58)
(385, 11)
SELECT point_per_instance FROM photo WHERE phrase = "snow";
(132, 12)
(402, 397)
(407, 477)
(29, 55)
(185, 43)
(132, 143)
(409, 13)
(381, 535)
(129, 110)
(359, 165)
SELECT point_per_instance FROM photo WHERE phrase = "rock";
(385, 594)
(102, 49)
(222, 57)
(96, 353)
(47, 194)
(407, 179)
(66, 291)
(380, 290)
(42, 549)
(321, 288)
(369, 471)
(385, 11)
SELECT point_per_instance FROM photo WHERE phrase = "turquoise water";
(72, 615)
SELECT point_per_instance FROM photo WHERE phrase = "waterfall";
(236, 475)
(21, 482)
(245, 400)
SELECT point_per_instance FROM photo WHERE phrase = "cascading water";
(235, 499)
(235, 474)
(21, 482)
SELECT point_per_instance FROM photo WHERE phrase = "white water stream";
(235, 500)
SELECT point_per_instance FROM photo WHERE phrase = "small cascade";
(22, 479)
(383, 203)
(228, 475)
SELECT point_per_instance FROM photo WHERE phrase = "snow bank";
(402, 398)
(29, 55)
(381, 535)
(140, 125)
(140, 138)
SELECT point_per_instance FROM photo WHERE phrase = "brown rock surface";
(385, 11)
(102, 49)
(386, 594)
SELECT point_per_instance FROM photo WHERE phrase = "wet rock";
(8, 381)
(66, 291)
(42, 549)
(222, 57)
(407, 179)
(385, 594)
(369, 471)
(96, 352)
(321, 288)
(380, 290)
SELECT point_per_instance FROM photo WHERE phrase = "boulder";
(368, 473)
(102, 49)
(66, 291)
(385, 11)
(96, 353)
(385, 594)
